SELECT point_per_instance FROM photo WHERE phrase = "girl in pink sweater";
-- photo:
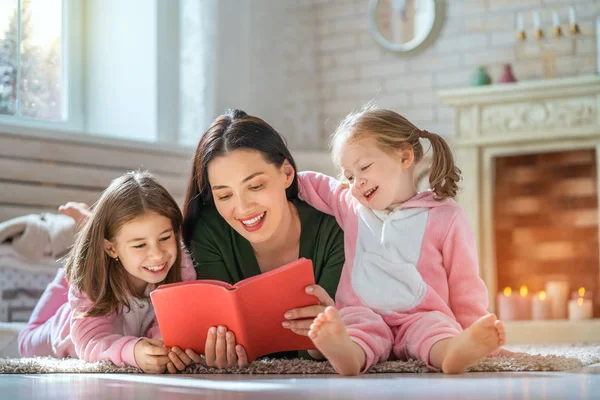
(98, 308)
(411, 284)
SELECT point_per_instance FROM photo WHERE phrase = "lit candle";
(581, 292)
(572, 18)
(540, 308)
(555, 19)
(520, 26)
(558, 294)
(524, 303)
(580, 309)
(536, 20)
(507, 305)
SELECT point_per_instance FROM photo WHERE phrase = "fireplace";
(545, 211)
(529, 155)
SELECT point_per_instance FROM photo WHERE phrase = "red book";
(252, 308)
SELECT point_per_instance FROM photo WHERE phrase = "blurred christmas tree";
(40, 71)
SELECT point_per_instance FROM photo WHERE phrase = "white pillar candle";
(524, 304)
(572, 18)
(507, 305)
(520, 26)
(580, 309)
(541, 307)
(555, 19)
(536, 20)
(558, 293)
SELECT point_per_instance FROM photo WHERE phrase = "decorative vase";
(480, 77)
(507, 75)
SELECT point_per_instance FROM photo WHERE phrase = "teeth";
(370, 192)
(254, 220)
(156, 268)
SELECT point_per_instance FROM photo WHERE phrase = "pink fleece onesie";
(56, 329)
(411, 276)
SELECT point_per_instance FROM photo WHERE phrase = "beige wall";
(353, 69)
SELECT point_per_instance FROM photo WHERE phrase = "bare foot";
(329, 334)
(477, 341)
(80, 212)
(508, 353)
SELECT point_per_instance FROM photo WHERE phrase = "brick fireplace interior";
(545, 209)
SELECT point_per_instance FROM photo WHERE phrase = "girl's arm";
(327, 195)
(467, 291)
(94, 338)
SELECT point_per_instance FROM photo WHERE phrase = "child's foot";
(477, 341)
(80, 212)
(329, 334)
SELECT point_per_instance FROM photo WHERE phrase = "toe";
(332, 313)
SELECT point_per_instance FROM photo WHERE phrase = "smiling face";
(249, 193)
(377, 179)
(146, 247)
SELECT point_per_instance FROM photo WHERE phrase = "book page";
(186, 311)
(264, 299)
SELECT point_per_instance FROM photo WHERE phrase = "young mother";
(242, 217)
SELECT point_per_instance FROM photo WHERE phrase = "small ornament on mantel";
(480, 77)
(507, 75)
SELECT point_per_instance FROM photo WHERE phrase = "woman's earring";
(117, 259)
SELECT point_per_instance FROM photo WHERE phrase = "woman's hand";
(298, 320)
(179, 360)
(221, 350)
(151, 356)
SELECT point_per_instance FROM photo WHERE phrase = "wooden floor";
(579, 384)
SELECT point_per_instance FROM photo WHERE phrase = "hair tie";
(424, 134)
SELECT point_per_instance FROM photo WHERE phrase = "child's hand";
(179, 360)
(151, 356)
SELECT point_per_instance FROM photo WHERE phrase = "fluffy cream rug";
(538, 358)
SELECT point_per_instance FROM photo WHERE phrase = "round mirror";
(405, 26)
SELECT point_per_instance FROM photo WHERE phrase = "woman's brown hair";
(392, 132)
(233, 130)
(93, 272)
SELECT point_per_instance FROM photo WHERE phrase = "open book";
(252, 308)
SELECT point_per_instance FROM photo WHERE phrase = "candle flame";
(507, 291)
(580, 301)
(523, 291)
(581, 291)
(542, 295)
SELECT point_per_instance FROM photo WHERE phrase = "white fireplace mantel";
(512, 119)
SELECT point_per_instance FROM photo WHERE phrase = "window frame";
(71, 75)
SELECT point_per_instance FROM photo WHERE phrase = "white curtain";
(256, 55)
(198, 68)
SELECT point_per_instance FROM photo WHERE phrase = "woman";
(242, 217)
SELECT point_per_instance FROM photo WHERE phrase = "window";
(31, 84)
(34, 60)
